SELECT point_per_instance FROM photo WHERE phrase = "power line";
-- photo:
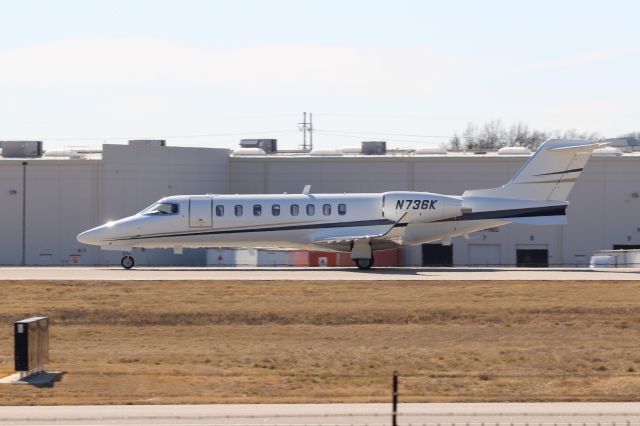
(169, 136)
(306, 127)
(384, 134)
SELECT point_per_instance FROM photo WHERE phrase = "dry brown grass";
(214, 342)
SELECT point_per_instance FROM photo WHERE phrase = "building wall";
(11, 212)
(65, 197)
(60, 202)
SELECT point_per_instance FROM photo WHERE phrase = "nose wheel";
(127, 262)
(364, 263)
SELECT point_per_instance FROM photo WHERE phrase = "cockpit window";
(162, 208)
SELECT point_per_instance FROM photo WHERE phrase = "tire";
(127, 262)
(364, 263)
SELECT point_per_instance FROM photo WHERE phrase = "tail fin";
(548, 175)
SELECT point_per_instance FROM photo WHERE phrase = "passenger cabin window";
(162, 209)
(275, 210)
(257, 210)
(295, 210)
(238, 210)
(311, 209)
(326, 209)
(342, 209)
(219, 210)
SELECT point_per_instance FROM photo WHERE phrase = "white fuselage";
(299, 221)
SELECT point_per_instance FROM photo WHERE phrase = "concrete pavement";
(623, 414)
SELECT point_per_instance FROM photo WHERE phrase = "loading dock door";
(200, 212)
(532, 256)
(437, 255)
(484, 254)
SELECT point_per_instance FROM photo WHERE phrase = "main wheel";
(127, 262)
(364, 263)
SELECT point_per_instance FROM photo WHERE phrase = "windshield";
(161, 208)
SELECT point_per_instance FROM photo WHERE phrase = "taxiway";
(520, 414)
(316, 274)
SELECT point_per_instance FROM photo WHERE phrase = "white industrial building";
(46, 201)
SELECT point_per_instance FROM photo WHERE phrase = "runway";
(493, 414)
(319, 274)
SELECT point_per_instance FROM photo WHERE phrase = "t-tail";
(549, 175)
(537, 193)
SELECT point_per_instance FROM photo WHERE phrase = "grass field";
(223, 342)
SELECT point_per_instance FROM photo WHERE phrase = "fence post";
(394, 399)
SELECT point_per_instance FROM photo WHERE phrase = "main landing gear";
(127, 262)
(362, 254)
(364, 263)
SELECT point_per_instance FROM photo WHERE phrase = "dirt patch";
(224, 342)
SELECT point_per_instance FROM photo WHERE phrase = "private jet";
(357, 223)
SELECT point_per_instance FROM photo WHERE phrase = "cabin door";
(200, 212)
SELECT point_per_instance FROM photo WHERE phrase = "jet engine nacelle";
(415, 207)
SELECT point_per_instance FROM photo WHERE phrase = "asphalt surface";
(490, 414)
(297, 274)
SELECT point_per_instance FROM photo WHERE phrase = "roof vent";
(326, 153)
(608, 151)
(147, 142)
(514, 150)
(434, 150)
(267, 145)
(248, 151)
(374, 147)
(21, 149)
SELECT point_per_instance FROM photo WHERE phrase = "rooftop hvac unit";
(267, 145)
(374, 147)
(147, 142)
(21, 149)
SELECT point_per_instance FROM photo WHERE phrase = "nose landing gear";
(127, 262)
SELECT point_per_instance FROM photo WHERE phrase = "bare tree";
(535, 139)
(575, 134)
(455, 144)
(493, 135)
(470, 136)
(518, 135)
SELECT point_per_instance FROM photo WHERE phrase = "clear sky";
(206, 73)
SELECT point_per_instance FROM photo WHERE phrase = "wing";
(381, 237)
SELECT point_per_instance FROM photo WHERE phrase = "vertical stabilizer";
(548, 175)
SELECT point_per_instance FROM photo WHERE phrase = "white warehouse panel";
(11, 212)
(61, 202)
(484, 254)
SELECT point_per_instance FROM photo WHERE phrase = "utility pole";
(310, 132)
(306, 126)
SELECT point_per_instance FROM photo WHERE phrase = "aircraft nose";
(92, 236)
